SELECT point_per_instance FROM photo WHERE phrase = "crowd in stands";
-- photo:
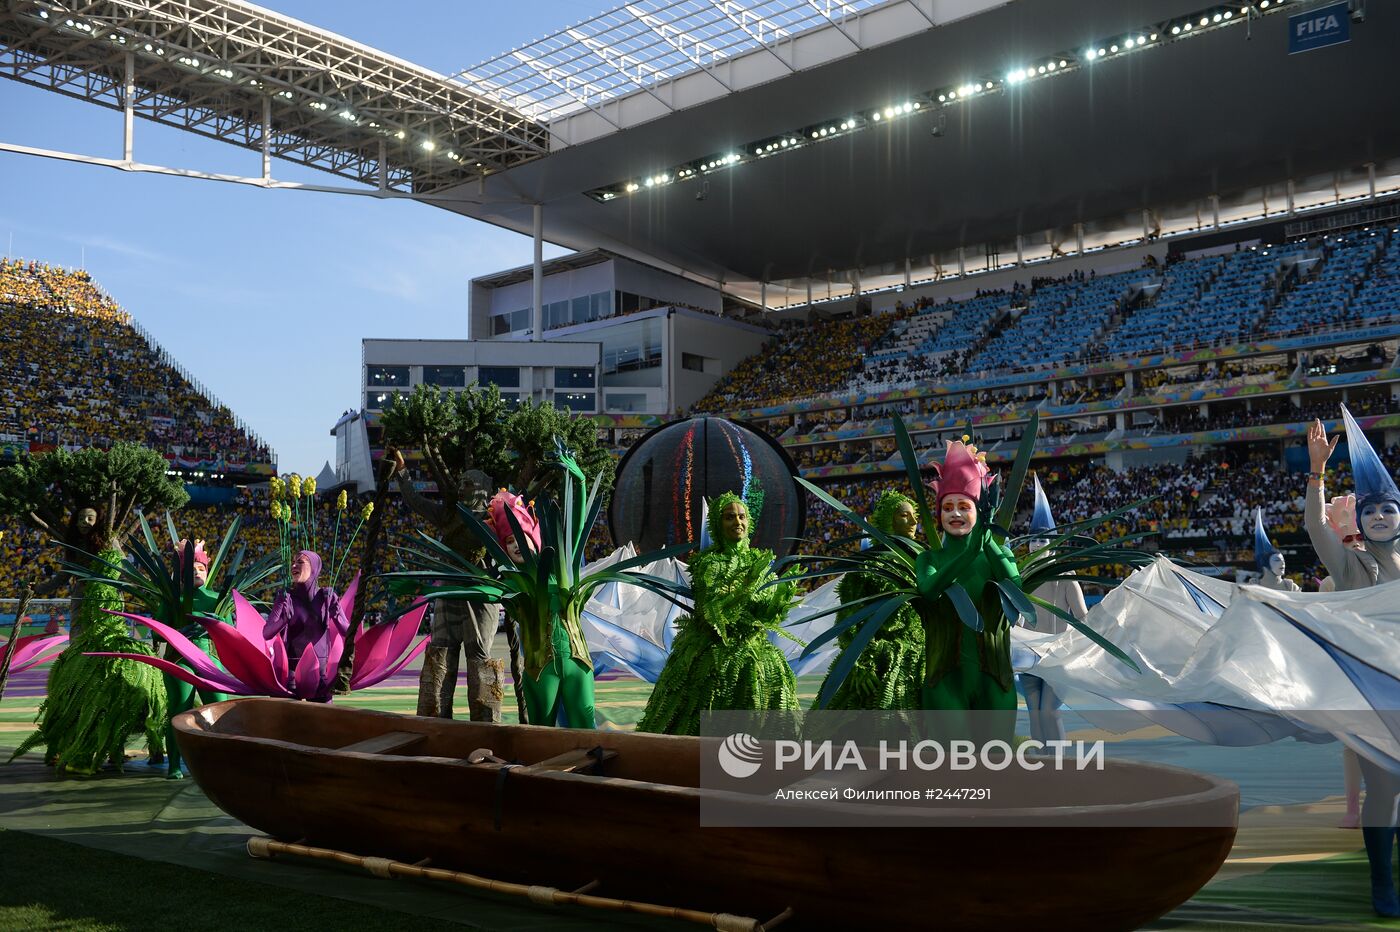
(802, 361)
(77, 373)
(1335, 282)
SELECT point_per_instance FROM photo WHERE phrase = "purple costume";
(305, 615)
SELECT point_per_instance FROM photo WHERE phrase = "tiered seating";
(1326, 297)
(969, 324)
(1379, 296)
(1230, 297)
(78, 373)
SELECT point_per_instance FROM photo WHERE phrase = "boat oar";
(14, 637)
(265, 848)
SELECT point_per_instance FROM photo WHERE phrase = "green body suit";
(558, 668)
(180, 695)
(95, 704)
(722, 657)
(964, 670)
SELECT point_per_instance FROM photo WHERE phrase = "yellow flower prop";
(367, 511)
(277, 487)
(341, 501)
(294, 486)
(309, 487)
(276, 510)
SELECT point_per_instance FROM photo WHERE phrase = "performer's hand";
(1319, 449)
(395, 457)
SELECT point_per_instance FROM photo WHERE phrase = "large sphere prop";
(664, 479)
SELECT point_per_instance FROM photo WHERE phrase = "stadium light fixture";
(946, 96)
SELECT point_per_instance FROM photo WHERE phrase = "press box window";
(693, 361)
(445, 376)
(388, 375)
(574, 378)
(499, 376)
(575, 401)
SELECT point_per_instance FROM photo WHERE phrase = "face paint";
(1380, 521)
(957, 514)
(904, 522)
(735, 522)
(1276, 564)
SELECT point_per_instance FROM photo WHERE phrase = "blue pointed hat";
(1263, 549)
(1371, 479)
(1041, 519)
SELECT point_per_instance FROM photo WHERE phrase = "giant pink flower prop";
(255, 666)
(32, 650)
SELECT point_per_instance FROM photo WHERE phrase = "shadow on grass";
(54, 885)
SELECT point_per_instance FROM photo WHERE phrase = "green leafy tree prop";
(49, 491)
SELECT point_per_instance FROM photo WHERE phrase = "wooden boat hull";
(276, 766)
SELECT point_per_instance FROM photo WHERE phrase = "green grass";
(53, 885)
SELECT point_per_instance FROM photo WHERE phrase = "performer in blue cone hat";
(1042, 704)
(1269, 559)
(1377, 561)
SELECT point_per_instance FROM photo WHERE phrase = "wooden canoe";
(403, 788)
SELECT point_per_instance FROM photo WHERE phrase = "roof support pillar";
(1371, 179)
(537, 281)
(1291, 192)
(1146, 220)
(809, 291)
(962, 261)
(267, 140)
(1020, 249)
(1079, 239)
(128, 106)
(1215, 211)
(763, 295)
(908, 272)
(383, 166)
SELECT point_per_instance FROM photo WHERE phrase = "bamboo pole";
(14, 636)
(265, 848)
(369, 555)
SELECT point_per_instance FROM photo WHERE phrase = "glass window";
(388, 375)
(574, 378)
(627, 303)
(556, 315)
(500, 376)
(378, 401)
(575, 401)
(520, 320)
(632, 354)
(511, 398)
(626, 402)
(692, 362)
(602, 305)
(445, 376)
(500, 325)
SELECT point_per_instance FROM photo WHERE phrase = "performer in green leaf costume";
(889, 674)
(722, 657)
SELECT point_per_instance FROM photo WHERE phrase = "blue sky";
(265, 295)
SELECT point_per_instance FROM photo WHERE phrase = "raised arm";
(411, 497)
(1329, 548)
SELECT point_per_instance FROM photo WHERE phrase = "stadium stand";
(68, 349)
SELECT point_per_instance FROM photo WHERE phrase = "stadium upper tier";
(79, 373)
(1335, 283)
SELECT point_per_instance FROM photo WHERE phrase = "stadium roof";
(691, 172)
(783, 141)
(236, 72)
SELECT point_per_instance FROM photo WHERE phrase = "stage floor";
(1291, 865)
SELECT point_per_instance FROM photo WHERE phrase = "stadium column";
(1079, 239)
(908, 276)
(128, 106)
(537, 283)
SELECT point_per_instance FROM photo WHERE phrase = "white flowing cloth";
(1237, 665)
(630, 630)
